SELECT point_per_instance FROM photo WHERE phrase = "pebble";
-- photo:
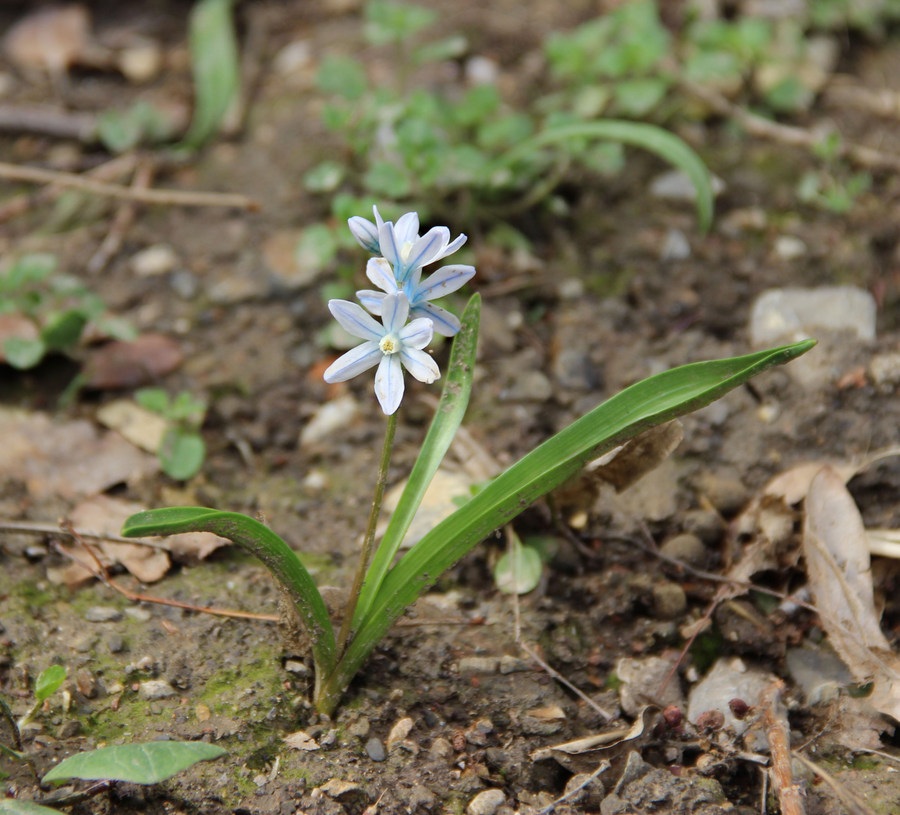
(102, 614)
(329, 418)
(669, 601)
(420, 797)
(479, 665)
(884, 369)
(794, 313)
(675, 246)
(141, 63)
(486, 803)
(375, 749)
(527, 386)
(69, 729)
(479, 734)
(510, 664)
(728, 679)
(642, 678)
(724, 491)
(676, 186)
(155, 689)
(687, 548)
(155, 260)
(590, 791)
(441, 748)
(399, 732)
(360, 728)
(142, 615)
(573, 369)
(481, 71)
(115, 643)
(788, 247)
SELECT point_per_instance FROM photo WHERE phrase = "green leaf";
(316, 247)
(13, 806)
(388, 179)
(388, 21)
(664, 144)
(261, 542)
(519, 570)
(324, 177)
(48, 682)
(648, 403)
(63, 331)
(447, 417)
(23, 353)
(28, 270)
(136, 763)
(181, 453)
(342, 76)
(153, 399)
(215, 64)
(118, 131)
(451, 47)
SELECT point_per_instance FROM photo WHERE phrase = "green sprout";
(182, 449)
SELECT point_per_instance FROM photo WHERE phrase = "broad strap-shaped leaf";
(650, 137)
(15, 806)
(137, 763)
(647, 403)
(258, 540)
(449, 414)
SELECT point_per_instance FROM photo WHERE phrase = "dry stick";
(178, 198)
(108, 171)
(787, 134)
(855, 805)
(49, 121)
(774, 717)
(122, 221)
(39, 528)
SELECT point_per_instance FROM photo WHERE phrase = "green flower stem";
(345, 633)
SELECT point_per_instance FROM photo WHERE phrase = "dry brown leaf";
(129, 364)
(69, 459)
(837, 560)
(584, 754)
(141, 427)
(50, 39)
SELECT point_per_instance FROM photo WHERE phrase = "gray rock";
(819, 671)
(155, 260)
(675, 246)
(115, 643)
(675, 185)
(669, 601)
(375, 749)
(780, 315)
(486, 803)
(102, 614)
(642, 677)
(728, 679)
(687, 548)
(479, 665)
(705, 524)
(527, 386)
(155, 689)
(510, 664)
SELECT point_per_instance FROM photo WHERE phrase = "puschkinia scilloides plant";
(385, 586)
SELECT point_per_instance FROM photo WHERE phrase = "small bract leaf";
(11, 806)
(519, 570)
(181, 454)
(136, 763)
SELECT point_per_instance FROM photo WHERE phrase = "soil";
(591, 308)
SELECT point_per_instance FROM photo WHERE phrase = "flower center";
(389, 344)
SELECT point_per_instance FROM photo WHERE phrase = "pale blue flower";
(387, 345)
(445, 280)
(401, 243)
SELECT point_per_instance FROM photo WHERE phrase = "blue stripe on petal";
(420, 365)
(418, 333)
(407, 228)
(354, 320)
(371, 300)
(445, 323)
(353, 363)
(389, 383)
(451, 247)
(394, 311)
(445, 280)
(365, 232)
(379, 271)
(428, 247)
(390, 248)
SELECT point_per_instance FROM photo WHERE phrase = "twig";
(787, 134)
(49, 121)
(774, 717)
(40, 528)
(563, 681)
(122, 221)
(166, 197)
(854, 804)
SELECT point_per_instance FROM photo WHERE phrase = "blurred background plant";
(182, 449)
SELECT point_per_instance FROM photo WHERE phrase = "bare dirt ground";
(451, 705)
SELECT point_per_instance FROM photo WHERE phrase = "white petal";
(394, 311)
(354, 362)
(365, 232)
(445, 280)
(407, 228)
(389, 383)
(378, 219)
(390, 247)
(420, 365)
(445, 323)
(417, 334)
(353, 319)
(429, 246)
(371, 300)
(379, 271)
(451, 247)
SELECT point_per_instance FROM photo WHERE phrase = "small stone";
(676, 186)
(675, 246)
(705, 524)
(486, 803)
(788, 247)
(328, 419)
(141, 63)
(479, 734)
(295, 666)
(155, 260)
(481, 71)
(528, 386)
(884, 369)
(399, 732)
(155, 689)
(69, 729)
(375, 749)
(687, 548)
(479, 665)
(142, 615)
(102, 614)
(441, 748)
(669, 601)
(420, 797)
(589, 791)
(360, 728)
(115, 643)
(726, 492)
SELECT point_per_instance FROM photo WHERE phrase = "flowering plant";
(383, 589)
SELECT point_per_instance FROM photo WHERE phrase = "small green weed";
(182, 449)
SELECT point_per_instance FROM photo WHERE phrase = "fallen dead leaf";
(69, 459)
(837, 560)
(130, 364)
(140, 426)
(50, 39)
